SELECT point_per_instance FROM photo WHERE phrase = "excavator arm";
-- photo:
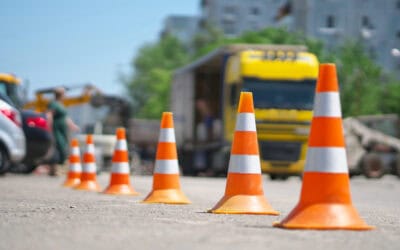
(42, 99)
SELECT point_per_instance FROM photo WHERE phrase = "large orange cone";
(166, 187)
(119, 182)
(88, 177)
(325, 201)
(244, 189)
(75, 167)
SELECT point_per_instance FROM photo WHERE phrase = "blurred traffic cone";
(244, 189)
(325, 201)
(166, 187)
(88, 177)
(119, 182)
(75, 167)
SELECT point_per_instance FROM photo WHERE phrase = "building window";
(255, 11)
(398, 34)
(366, 23)
(330, 21)
(398, 4)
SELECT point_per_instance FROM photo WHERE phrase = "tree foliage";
(360, 80)
(153, 67)
(365, 87)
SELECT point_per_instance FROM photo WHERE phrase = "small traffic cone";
(244, 189)
(75, 167)
(88, 177)
(166, 187)
(119, 181)
(325, 201)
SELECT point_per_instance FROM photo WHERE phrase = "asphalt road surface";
(37, 213)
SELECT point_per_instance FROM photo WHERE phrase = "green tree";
(360, 80)
(365, 87)
(153, 67)
(391, 97)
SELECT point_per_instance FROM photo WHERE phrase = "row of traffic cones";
(166, 186)
(325, 201)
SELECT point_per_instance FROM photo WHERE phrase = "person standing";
(60, 123)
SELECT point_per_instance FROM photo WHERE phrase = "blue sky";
(69, 42)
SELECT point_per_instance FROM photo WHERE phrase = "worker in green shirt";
(60, 123)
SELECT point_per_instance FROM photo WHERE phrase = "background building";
(375, 23)
(182, 27)
(236, 16)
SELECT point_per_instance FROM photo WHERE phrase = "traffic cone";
(166, 187)
(244, 189)
(325, 201)
(75, 167)
(119, 181)
(88, 177)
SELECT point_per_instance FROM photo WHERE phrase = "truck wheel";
(22, 168)
(273, 176)
(372, 166)
(281, 177)
(4, 160)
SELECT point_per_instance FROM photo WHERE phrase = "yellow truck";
(204, 98)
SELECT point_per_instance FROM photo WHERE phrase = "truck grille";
(280, 151)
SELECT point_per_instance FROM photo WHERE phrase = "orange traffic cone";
(244, 189)
(75, 168)
(325, 201)
(166, 187)
(88, 177)
(119, 182)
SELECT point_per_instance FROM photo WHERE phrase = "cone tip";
(327, 78)
(246, 102)
(167, 120)
(89, 139)
(120, 133)
(74, 143)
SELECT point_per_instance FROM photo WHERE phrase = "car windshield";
(12, 91)
(281, 94)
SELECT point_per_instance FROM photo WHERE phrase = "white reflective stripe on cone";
(245, 122)
(89, 167)
(245, 164)
(120, 167)
(327, 104)
(166, 167)
(121, 145)
(75, 167)
(90, 148)
(326, 160)
(166, 135)
(75, 151)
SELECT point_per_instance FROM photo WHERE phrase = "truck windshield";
(281, 94)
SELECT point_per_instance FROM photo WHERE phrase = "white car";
(12, 138)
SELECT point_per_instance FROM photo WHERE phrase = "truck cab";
(282, 79)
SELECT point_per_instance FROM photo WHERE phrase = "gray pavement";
(37, 213)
